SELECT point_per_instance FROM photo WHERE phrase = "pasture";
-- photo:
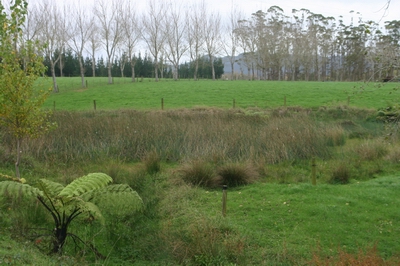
(147, 94)
(178, 158)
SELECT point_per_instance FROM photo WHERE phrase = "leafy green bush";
(235, 174)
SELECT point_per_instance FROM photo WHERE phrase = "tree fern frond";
(119, 199)
(93, 211)
(118, 188)
(50, 188)
(16, 179)
(87, 209)
(15, 189)
(85, 184)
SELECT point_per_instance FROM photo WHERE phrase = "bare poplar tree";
(195, 33)
(79, 30)
(230, 43)
(153, 31)
(212, 37)
(175, 30)
(132, 32)
(33, 23)
(110, 30)
(32, 27)
(52, 34)
(93, 44)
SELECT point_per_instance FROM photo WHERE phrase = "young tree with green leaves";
(20, 66)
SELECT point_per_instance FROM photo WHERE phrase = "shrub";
(198, 173)
(340, 174)
(237, 174)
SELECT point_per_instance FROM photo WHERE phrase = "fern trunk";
(60, 234)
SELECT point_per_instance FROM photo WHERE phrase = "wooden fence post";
(94, 104)
(162, 103)
(224, 198)
(313, 172)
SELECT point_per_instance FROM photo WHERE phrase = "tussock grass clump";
(235, 174)
(198, 173)
(371, 150)
(152, 162)
(335, 136)
(340, 174)
(393, 154)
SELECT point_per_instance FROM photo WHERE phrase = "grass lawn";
(293, 220)
(187, 94)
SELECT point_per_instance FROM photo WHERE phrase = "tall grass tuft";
(335, 136)
(372, 150)
(235, 174)
(152, 162)
(340, 174)
(198, 173)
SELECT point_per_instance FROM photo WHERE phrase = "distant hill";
(237, 67)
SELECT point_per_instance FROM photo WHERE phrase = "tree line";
(68, 66)
(179, 41)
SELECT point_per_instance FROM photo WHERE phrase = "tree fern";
(81, 198)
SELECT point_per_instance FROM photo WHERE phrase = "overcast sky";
(369, 9)
(375, 10)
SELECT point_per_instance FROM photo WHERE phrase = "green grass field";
(187, 94)
(288, 221)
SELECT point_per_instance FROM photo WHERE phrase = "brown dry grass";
(370, 257)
